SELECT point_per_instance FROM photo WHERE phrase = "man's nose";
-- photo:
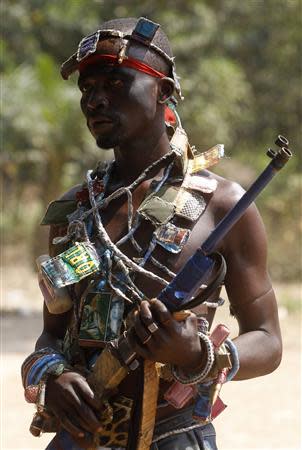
(98, 99)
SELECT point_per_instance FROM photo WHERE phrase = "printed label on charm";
(102, 316)
(171, 238)
(71, 266)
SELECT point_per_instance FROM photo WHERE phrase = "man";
(143, 216)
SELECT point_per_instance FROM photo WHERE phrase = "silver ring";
(152, 327)
(147, 339)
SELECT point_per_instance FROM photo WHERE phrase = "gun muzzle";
(281, 158)
(281, 141)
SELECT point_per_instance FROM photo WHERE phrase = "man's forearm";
(48, 340)
(259, 354)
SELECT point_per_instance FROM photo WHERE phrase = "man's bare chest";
(115, 219)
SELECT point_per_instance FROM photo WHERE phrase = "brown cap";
(142, 34)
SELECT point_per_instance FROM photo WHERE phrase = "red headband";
(127, 62)
(133, 64)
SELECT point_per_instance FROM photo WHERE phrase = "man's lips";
(100, 122)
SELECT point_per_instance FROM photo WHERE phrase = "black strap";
(213, 286)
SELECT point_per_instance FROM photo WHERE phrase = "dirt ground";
(262, 414)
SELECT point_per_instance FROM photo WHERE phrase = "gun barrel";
(278, 161)
(281, 158)
(281, 141)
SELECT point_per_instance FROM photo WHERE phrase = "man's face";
(119, 103)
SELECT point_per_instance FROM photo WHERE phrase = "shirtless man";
(124, 103)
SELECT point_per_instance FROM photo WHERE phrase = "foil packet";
(71, 266)
(171, 237)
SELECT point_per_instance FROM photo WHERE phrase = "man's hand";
(72, 401)
(172, 342)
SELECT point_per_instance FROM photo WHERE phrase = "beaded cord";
(175, 432)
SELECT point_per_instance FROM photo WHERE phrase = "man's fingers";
(141, 330)
(86, 417)
(137, 346)
(161, 313)
(88, 395)
(145, 314)
(78, 412)
(180, 316)
(153, 314)
(69, 426)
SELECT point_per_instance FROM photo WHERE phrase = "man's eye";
(116, 83)
(85, 88)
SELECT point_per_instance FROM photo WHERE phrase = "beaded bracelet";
(31, 359)
(35, 370)
(42, 366)
(201, 376)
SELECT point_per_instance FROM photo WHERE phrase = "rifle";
(178, 294)
(117, 359)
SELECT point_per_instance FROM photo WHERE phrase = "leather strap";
(211, 288)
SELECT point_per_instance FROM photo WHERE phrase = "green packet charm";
(71, 266)
(58, 301)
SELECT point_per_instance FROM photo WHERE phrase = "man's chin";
(107, 142)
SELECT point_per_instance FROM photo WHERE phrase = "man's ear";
(166, 88)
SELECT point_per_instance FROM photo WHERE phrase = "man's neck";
(132, 160)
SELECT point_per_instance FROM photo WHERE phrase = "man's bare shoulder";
(226, 195)
(248, 229)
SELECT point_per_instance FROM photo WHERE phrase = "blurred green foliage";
(240, 65)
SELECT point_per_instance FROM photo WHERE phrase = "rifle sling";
(212, 287)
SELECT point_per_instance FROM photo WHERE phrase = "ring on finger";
(152, 327)
(147, 339)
